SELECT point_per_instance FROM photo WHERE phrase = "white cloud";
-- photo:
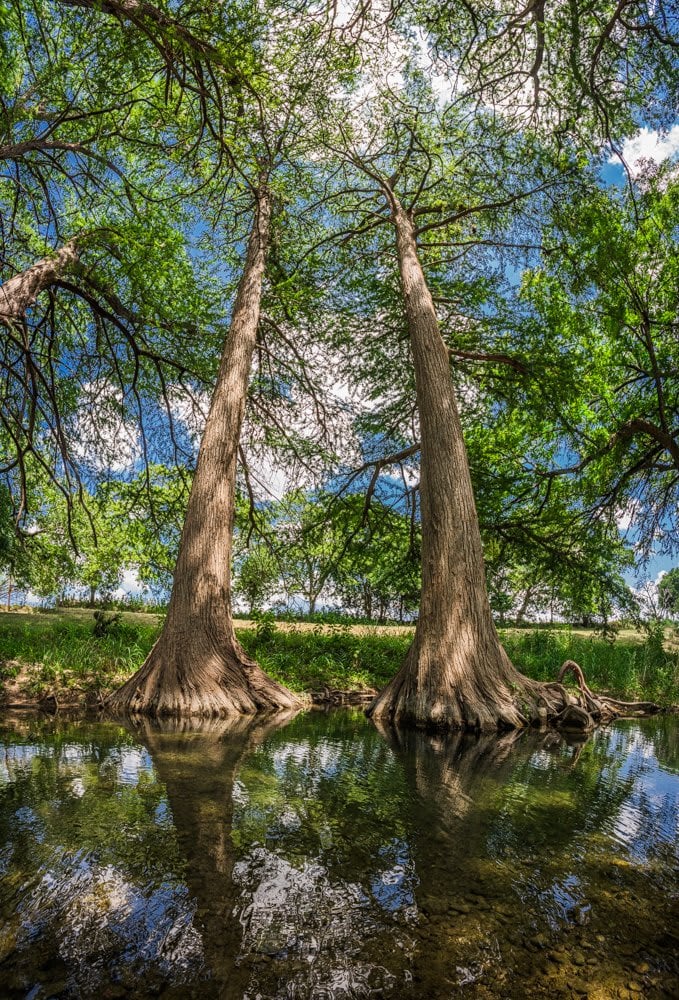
(320, 427)
(624, 517)
(102, 437)
(441, 81)
(269, 478)
(649, 144)
(189, 409)
(130, 585)
(648, 595)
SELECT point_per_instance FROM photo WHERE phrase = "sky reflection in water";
(324, 858)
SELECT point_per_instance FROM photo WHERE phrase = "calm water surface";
(323, 858)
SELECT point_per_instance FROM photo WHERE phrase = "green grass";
(337, 657)
(331, 656)
(638, 668)
(59, 651)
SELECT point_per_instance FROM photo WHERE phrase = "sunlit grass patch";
(333, 656)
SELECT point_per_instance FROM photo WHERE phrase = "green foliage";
(7, 535)
(378, 574)
(608, 293)
(668, 592)
(257, 576)
(83, 547)
(266, 626)
(104, 624)
(586, 71)
(318, 544)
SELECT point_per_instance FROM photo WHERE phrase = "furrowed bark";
(456, 674)
(197, 666)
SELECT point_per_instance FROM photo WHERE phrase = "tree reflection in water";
(532, 882)
(324, 858)
(92, 891)
(198, 763)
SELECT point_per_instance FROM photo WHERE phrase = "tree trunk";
(93, 595)
(314, 586)
(197, 667)
(367, 602)
(10, 584)
(456, 674)
(18, 293)
(521, 613)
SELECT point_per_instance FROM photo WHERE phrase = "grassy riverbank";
(58, 653)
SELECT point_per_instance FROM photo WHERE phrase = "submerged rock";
(580, 913)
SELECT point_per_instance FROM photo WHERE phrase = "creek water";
(320, 857)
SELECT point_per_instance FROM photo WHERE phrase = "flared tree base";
(484, 696)
(204, 678)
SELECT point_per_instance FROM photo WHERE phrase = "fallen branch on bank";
(334, 697)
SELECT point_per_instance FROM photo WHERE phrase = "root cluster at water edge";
(501, 698)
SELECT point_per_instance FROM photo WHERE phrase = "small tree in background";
(257, 576)
(668, 593)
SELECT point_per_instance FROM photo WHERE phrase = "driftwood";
(596, 708)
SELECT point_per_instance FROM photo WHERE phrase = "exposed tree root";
(601, 708)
